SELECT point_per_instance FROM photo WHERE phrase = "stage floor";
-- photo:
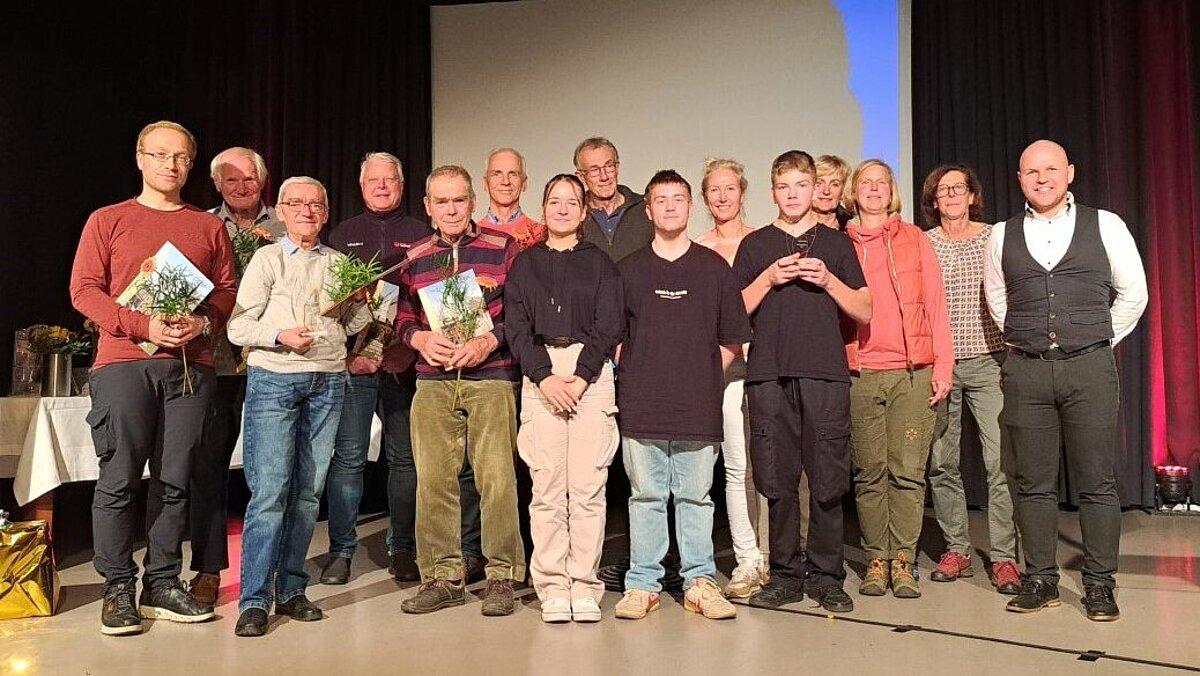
(958, 627)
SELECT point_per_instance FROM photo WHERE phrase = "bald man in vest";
(1066, 283)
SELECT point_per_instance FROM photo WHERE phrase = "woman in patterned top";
(952, 203)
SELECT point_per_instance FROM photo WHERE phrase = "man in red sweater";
(505, 180)
(140, 409)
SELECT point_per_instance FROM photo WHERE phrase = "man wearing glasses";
(616, 220)
(140, 409)
(240, 175)
(294, 390)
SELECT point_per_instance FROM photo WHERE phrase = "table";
(55, 444)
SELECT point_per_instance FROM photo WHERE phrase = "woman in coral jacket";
(903, 364)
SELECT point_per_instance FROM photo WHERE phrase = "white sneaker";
(557, 609)
(585, 609)
(746, 579)
(705, 597)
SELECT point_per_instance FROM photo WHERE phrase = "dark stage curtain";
(1115, 81)
(311, 85)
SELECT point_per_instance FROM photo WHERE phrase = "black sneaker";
(498, 599)
(435, 595)
(475, 567)
(252, 622)
(337, 571)
(774, 595)
(172, 601)
(404, 566)
(1100, 603)
(119, 615)
(299, 608)
(1035, 594)
(832, 598)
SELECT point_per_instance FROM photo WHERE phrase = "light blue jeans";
(659, 469)
(291, 420)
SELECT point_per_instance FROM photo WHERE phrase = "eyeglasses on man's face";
(182, 159)
(606, 168)
(300, 205)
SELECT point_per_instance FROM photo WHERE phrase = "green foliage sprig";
(349, 274)
(170, 295)
(460, 313)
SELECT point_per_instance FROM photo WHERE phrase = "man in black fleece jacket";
(616, 220)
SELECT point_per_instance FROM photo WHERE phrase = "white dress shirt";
(1048, 239)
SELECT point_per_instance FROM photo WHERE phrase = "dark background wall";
(310, 85)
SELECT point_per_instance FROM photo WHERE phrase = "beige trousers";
(568, 458)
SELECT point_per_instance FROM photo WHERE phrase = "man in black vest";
(616, 218)
(1066, 283)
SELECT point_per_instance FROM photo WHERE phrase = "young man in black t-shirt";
(686, 323)
(796, 276)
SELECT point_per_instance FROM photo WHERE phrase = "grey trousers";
(977, 385)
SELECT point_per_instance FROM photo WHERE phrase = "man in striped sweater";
(464, 391)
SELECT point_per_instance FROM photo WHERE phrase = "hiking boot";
(636, 604)
(204, 587)
(705, 597)
(299, 608)
(337, 571)
(875, 582)
(173, 602)
(435, 595)
(1034, 595)
(119, 615)
(774, 595)
(1006, 578)
(832, 598)
(498, 598)
(745, 580)
(404, 566)
(952, 566)
(904, 582)
(1100, 603)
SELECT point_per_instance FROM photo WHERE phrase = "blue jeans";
(344, 489)
(659, 469)
(291, 420)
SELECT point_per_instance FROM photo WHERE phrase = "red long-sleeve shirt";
(116, 240)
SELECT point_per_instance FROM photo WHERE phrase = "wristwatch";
(207, 330)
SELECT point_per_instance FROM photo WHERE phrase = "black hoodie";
(574, 294)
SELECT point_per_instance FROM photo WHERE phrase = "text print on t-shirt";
(670, 295)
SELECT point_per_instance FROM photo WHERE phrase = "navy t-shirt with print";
(679, 313)
(797, 333)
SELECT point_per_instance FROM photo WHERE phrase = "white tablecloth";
(57, 444)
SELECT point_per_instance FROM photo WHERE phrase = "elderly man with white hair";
(297, 378)
(240, 175)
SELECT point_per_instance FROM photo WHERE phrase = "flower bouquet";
(167, 288)
(45, 339)
(456, 308)
(246, 241)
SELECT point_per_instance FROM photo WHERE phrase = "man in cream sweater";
(297, 378)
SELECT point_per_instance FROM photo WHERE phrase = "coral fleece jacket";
(116, 240)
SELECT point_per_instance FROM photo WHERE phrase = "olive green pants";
(891, 427)
(486, 417)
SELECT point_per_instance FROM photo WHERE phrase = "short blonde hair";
(380, 156)
(848, 196)
(832, 164)
(793, 160)
(166, 124)
(450, 171)
(260, 166)
(712, 164)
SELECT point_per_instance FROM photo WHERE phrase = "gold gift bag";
(28, 581)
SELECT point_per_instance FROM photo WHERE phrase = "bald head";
(1045, 175)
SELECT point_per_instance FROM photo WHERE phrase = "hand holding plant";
(170, 298)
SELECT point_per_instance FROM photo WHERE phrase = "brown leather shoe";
(204, 588)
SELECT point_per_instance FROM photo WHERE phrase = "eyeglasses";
(183, 159)
(948, 190)
(299, 205)
(608, 168)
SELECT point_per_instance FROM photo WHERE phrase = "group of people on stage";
(853, 339)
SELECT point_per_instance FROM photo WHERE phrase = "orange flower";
(486, 283)
(148, 265)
